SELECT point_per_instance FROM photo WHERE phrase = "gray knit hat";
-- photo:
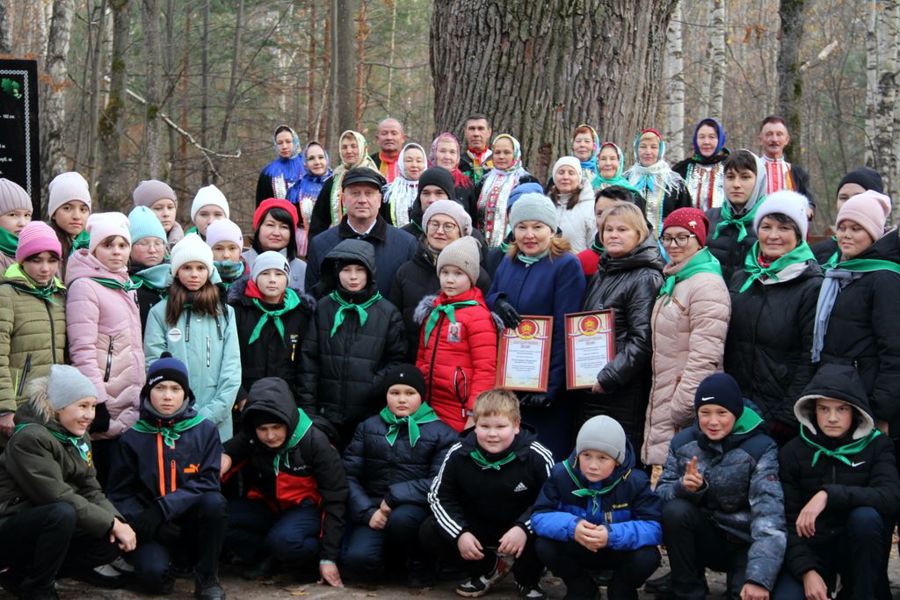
(603, 434)
(462, 254)
(66, 385)
(269, 260)
(534, 207)
(13, 197)
(452, 209)
(149, 191)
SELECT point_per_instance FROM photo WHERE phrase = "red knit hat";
(267, 205)
(691, 219)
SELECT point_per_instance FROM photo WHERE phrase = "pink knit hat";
(37, 237)
(103, 225)
(866, 210)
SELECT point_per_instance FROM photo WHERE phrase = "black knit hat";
(407, 375)
(720, 389)
(438, 176)
(168, 368)
(867, 178)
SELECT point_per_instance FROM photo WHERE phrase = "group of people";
(321, 398)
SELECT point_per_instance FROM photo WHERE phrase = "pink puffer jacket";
(104, 330)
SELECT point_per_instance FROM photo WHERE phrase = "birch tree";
(53, 160)
(881, 91)
(674, 100)
(717, 58)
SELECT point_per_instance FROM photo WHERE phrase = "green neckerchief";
(303, 425)
(702, 262)
(192, 229)
(842, 452)
(114, 284)
(748, 421)
(156, 278)
(530, 260)
(345, 307)
(800, 254)
(423, 415)
(484, 463)
(504, 247)
(444, 309)
(229, 270)
(291, 301)
(739, 223)
(75, 441)
(594, 495)
(169, 434)
(832, 261)
(867, 265)
(82, 240)
(28, 285)
(596, 247)
(9, 242)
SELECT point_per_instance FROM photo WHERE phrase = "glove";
(535, 401)
(146, 523)
(101, 419)
(507, 313)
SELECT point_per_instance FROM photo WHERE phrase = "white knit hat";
(191, 249)
(788, 203)
(105, 225)
(66, 187)
(566, 161)
(210, 195)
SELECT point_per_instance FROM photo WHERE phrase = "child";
(724, 506)
(103, 325)
(227, 242)
(354, 338)
(294, 509)
(458, 341)
(200, 331)
(841, 492)
(54, 514)
(32, 318)
(390, 465)
(68, 209)
(596, 513)
(149, 265)
(165, 480)
(209, 205)
(482, 496)
(15, 213)
(160, 198)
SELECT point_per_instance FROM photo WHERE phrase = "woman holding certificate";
(627, 281)
(540, 277)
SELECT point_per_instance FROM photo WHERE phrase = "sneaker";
(531, 592)
(208, 589)
(476, 587)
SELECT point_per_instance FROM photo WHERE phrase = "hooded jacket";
(578, 224)
(625, 505)
(866, 476)
(741, 494)
(308, 471)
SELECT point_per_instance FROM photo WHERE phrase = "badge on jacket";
(174, 335)
(454, 333)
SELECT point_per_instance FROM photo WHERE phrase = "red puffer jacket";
(460, 360)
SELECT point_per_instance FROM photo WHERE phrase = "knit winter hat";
(65, 187)
(867, 210)
(267, 205)
(463, 254)
(603, 434)
(37, 237)
(520, 190)
(191, 249)
(440, 177)
(567, 161)
(691, 219)
(224, 230)
(101, 226)
(269, 260)
(788, 203)
(866, 178)
(407, 375)
(534, 207)
(148, 192)
(144, 223)
(722, 390)
(452, 209)
(209, 195)
(66, 385)
(13, 197)
(883, 200)
(168, 368)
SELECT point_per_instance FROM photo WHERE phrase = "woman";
(493, 191)
(590, 257)
(704, 171)
(318, 170)
(773, 301)
(328, 210)
(274, 228)
(280, 177)
(539, 276)
(855, 182)
(586, 148)
(403, 191)
(445, 153)
(627, 281)
(574, 199)
(690, 323)
(611, 164)
(662, 189)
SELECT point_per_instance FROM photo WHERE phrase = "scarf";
(835, 280)
(423, 415)
(169, 433)
(82, 240)
(402, 192)
(498, 184)
(480, 161)
(76, 441)
(600, 182)
(841, 452)
(800, 254)
(344, 307)
(596, 246)
(291, 301)
(460, 180)
(310, 186)
(336, 208)
(21, 281)
(594, 495)
(484, 463)
(157, 278)
(740, 223)
(9, 242)
(229, 270)
(444, 309)
(114, 284)
(702, 262)
(530, 260)
(284, 456)
(285, 174)
(589, 167)
(387, 167)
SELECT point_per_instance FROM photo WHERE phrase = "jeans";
(290, 536)
(365, 549)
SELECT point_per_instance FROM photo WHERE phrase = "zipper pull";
(208, 352)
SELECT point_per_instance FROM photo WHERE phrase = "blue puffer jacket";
(741, 493)
(627, 506)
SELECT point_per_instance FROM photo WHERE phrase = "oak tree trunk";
(343, 59)
(150, 17)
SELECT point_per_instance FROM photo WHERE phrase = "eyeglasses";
(151, 243)
(680, 240)
(434, 226)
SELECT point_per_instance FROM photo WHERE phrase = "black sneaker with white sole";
(531, 592)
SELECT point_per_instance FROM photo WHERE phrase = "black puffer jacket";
(870, 478)
(340, 372)
(864, 331)
(726, 248)
(398, 474)
(825, 249)
(628, 285)
(769, 339)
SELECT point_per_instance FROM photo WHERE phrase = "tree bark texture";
(717, 59)
(537, 69)
(674, 81)
(886, 134)
(790, 79)
(53, 160)
(109, 130)
(5, 37)
(150, 17)
(343, 70)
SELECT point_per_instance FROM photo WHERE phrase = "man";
(780, 174)
(476, 161)
(390, 139)
(361, 197)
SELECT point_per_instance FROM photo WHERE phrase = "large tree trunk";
(150, 16)
(790, 79)
(111, 127)
(204, 91)
(674, 100)
(5, 34)
(717, 59)
(886, 135)
(343, 58)
(537, 69)
(53, 160)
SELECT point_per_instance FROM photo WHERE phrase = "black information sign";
(19, 139)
